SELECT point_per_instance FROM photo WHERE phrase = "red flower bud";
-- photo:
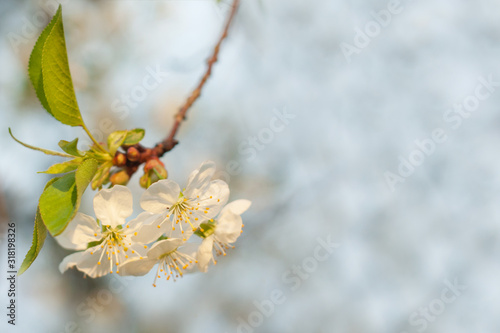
(120, 159)
(153, 164)
(133, 154)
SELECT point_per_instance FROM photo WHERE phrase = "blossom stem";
(85, 128)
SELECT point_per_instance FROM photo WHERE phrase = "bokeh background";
(322, 176)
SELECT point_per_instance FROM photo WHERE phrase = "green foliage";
(45, 151)
(50, 75)
(35, 65)
(134, 136)
(115, 140)
(124, 137)
(61, 199)
(71, 147)
(102, 175)
(63, 167)
(39, 235)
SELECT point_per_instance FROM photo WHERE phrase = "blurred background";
(355, 84)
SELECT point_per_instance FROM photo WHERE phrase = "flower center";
(173, 264)
(115, 246)
(191, 211)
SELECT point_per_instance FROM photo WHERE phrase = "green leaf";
(60, 201)
(63, 167)
(98, 155)
(84, 175)
(35, 64)
(39, 235)
(46, 151)
(134, 136)
(50, 74)
(115, 140)
(71, 147)
(102, 175)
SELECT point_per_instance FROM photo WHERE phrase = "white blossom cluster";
(178, 230)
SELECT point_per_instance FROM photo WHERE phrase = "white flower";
(110, 241)
(172, 255)
(178, 213)
(221, 232)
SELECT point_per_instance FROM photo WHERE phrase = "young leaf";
(115, 140)
(39, 235)
(57, 203)
(46, 151)
(98, 155)
(63, 167)
(50, 75)
(71, 147)
(60, 201)
(101, 175)
(84, 175)
(133, 136)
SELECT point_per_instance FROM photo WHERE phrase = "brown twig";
(170, 142)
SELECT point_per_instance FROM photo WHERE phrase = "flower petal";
(88, 263)
(137, 267)
(214, 199)
(163, 247)
(160, 195)
(82, 230)
(70, 261)
(113, 206)
(228, 227)
(199, 179)
(237, 206)
(177, 233)
(189, 249)
(205, 253)
(150, 232)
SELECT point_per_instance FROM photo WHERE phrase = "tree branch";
(170, 142)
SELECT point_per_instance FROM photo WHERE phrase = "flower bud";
(162, 172)
(156, 169)
(144, 180)
(133, 154)
(152, 163)
(119, 178)
(119, 159)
